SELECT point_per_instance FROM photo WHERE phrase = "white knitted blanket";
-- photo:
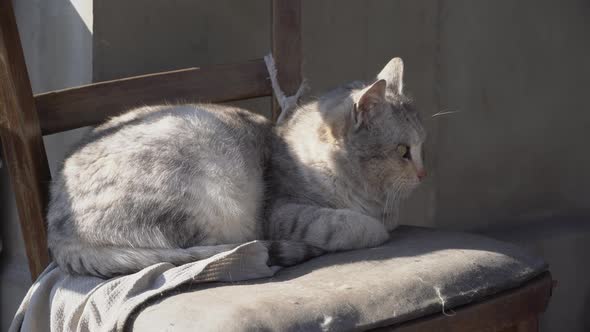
(61, 302)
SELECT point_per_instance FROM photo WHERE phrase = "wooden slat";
(22, 142)
(511, 310)
(92, 104)
(286, 47)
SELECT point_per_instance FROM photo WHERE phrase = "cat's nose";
(421, 174)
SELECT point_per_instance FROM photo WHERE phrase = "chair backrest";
(25, 118)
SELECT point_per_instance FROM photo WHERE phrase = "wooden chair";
(25, 118)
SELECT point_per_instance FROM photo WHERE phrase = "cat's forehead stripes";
(406, 121)
(412, 119)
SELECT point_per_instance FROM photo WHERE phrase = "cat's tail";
(109, 261)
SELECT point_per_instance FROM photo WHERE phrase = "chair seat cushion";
(419, 271)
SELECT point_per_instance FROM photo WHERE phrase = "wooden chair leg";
(528, 325)
(22, 142)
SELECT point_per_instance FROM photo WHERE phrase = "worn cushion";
(418, 272)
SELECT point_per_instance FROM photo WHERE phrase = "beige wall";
(511, 164)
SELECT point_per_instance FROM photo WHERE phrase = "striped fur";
(163, 184)
(179, 183)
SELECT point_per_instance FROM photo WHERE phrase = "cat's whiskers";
(392, 197)
(385, 207)
(445, 112)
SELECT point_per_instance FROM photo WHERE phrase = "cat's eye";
(404, 151)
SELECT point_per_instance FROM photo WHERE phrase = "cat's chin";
(402, 189)
(406, 189)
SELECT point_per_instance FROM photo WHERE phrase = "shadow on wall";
(164, 37)
(519, 72)
(57, 42)
(585, 317)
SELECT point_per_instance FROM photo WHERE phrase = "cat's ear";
(370, 97)
(393, 74)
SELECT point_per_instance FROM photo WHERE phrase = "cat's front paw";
(354, 232)
(288, 253)
(375, 235)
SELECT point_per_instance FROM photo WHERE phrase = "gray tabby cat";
(182, 183)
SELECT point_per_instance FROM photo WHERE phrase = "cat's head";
(384, 134)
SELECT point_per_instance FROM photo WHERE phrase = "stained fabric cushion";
(419, 271)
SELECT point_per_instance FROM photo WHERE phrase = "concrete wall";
(511, 164)
(519, 72)
(57, 41)
(514, 162)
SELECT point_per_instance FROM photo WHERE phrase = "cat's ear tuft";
(369, 98)
(393, 73)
